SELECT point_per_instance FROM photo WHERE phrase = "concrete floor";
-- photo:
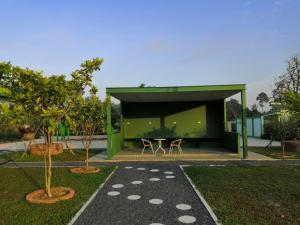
(189, 154)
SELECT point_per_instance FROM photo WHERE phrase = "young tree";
(47, 98)
(87, 120)
(262, 99)
(285, 127)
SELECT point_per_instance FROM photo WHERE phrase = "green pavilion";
(195, 114)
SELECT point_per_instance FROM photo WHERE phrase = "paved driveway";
(146, 195)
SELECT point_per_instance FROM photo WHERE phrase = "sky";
(156, 42)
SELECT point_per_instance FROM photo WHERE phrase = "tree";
(234, 109)
(289, 81)
(284, 127)
(49, 99)
(262, 99)
(87, 120)
(291, 101)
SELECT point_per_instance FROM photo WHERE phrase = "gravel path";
(146, 195)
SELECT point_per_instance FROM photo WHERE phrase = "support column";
(244, 124)
(109, 127)
(122, 125)
(225, 117)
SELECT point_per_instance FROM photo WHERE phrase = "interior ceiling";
(175, 96)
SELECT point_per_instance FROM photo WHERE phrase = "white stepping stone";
(170, 177)
(141, 168)
(134, 197)
(156, 224)
(154, 179)
(137, 182)
(187, 219)
(113, 193)
(128, 167)
(183, 206)
(156, 201)
(154, 170)
(168, 172)
(118, 186)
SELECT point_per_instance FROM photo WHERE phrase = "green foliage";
(46, 98)
(262, 99)
(234, 110)
(292, 103)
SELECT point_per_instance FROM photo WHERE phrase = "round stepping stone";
(168, 172)
(170, 177)
(137, 182)
(154, 179)
(141, 168)
(183, 206)
(118, 186)
(113, 193)
(134, 197)
(128, 167)
(187, 219)
(156, 201)
(154, 170)
(156, 224)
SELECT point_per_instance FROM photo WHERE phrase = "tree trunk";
(87, 157)
(49, 166)
(282, 147)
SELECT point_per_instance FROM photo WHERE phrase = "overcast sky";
(157, 42)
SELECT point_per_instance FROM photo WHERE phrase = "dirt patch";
(285, 156)
(41, 149)
(85, 170)
(58, 194)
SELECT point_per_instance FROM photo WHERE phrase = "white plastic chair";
(147, 144)
(176, 144)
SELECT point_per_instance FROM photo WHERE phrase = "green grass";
(251, 195)
(65, 156)
(17, 182)
(275, 150)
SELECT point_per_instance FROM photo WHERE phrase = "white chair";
(147, 144)
(176, 144)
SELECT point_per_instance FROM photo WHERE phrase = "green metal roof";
(173, 94)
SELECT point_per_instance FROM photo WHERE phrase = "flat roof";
(175, 94)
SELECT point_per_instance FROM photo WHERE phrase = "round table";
(159, 140)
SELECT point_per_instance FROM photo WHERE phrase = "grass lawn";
(251, 195)
(274, 150)
(17, 182)
(65, 156)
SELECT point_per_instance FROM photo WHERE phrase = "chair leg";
(152, 149)
(143, 150)
(180, 149)
(171, 150)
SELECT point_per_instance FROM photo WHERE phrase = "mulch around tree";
(58, 194)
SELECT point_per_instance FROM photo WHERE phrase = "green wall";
(173, 119)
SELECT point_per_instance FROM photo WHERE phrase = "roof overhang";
(175, 94)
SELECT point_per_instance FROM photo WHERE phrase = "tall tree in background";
(289, 81)
(262, 99)
(234, 109)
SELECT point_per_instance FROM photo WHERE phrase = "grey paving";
(295, 162)
(74, 143)
(114, 210)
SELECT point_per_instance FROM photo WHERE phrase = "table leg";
(160, 147)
